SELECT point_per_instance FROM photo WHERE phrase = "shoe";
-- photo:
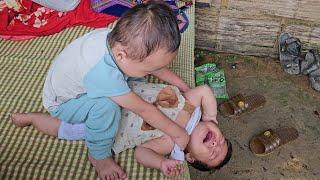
(289, 53)
(315, 82)
(311, 63)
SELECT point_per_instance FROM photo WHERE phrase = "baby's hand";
(170, 167)
(182, 140)
(210, 118)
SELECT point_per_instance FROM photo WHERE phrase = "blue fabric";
(183, 15)
(116, 10)
(101, 117)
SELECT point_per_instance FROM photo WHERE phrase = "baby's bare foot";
(107, 168)
(21, 119)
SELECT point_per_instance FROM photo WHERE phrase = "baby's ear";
(189, 158)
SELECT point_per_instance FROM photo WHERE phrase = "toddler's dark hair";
(204, 167)
(145, 28)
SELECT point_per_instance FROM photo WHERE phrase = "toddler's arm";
(170, 77)
(153, 116)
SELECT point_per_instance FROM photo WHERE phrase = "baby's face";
(151, 64)
(207, 144)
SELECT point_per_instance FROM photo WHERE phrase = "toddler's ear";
(120, 54)
(189, 158)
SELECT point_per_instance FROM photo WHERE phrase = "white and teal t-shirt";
(86, 65)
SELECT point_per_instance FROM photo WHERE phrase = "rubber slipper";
(240, 104)
(289, 53)
(269, 140)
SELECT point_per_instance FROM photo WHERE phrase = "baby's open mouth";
(208, 137)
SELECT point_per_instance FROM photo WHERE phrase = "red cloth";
(27, 19)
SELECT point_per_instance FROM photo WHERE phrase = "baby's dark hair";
(145, 28)
(204, 167)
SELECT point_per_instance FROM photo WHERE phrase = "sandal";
(240, 104)
(290, 51)
(269, 140)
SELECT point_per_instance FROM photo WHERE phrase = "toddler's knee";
(106, 105)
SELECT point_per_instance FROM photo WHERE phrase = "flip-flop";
(240, 104)
(269, 140)
(289, 53)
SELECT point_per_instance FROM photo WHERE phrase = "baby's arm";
(152, 154)
(204, 97)
(170, 77)
(153, 116)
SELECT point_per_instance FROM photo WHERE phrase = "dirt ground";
(290, 103)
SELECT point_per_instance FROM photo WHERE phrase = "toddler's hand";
(182, 139)
(170, 167)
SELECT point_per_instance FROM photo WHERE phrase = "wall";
(251, 27)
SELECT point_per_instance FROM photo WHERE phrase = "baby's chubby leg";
(203, 96)
(41, 121)
(50, 125)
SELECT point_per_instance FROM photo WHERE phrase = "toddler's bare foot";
(21, 119)
(107, 168)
